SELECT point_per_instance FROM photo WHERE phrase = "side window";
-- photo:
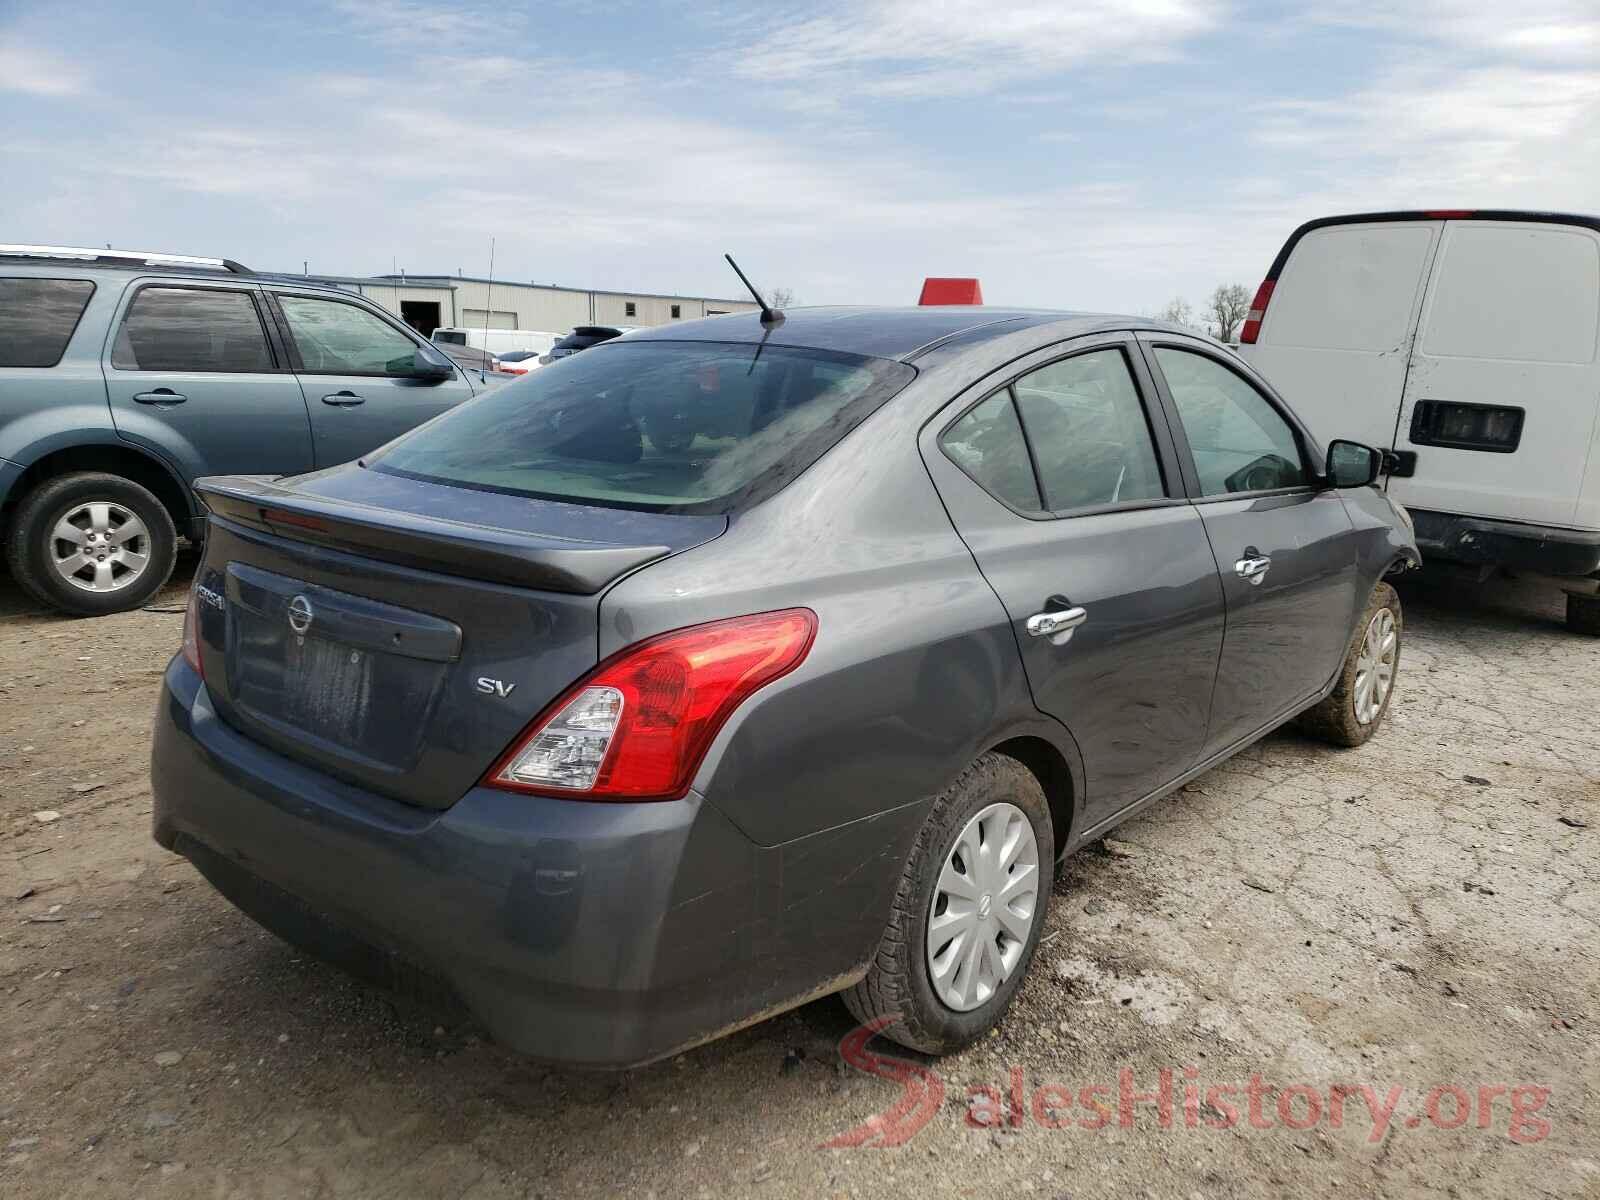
(1240, 442)
(987, 444)
(192, 329)
(37, 317)
(1088, 431)
(340, 339)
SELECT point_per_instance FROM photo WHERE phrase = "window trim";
(1172, 482)
(297, 363)
(71, 333)
(114, 331)
(1150, 342)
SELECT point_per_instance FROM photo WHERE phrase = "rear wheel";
(91, 543)
(967, 914)
(1352, 712)
(1583, 614)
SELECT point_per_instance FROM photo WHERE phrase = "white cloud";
(416, 24)
(913, 48)
(37, 72)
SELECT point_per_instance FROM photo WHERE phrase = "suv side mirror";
(1352, 465)
(427, 365)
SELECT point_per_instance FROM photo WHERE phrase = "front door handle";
(344, 399)
(159, 396)
(1253, 566)
(1057, 626)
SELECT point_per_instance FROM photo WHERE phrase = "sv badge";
(495, 687)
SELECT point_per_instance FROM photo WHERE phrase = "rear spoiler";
(482, 552)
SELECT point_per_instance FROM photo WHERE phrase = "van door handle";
(1057, 626)
(163, 396)
(344, 399)
(1253, 566)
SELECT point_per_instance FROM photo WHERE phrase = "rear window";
(701, 427)
(37, 317)
(450, 337)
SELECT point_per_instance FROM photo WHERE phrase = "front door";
(1500, 398)
(1285, 548)
(192, 374)
(351, 365)
(1069, 497)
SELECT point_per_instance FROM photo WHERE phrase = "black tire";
(29, 542)
(1334, 719)
(897, 985)
(1583, 614)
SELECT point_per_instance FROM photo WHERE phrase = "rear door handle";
(344, 399)
(159, 396)
(1253, 566)
(1057, 626)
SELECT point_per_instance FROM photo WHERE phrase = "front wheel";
(1352, 712)
(967, 913)
(91, 543)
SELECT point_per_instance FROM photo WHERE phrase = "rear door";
(193, 374)
(1501, 397)
(1338, 330)
(1068, 494)
(348, 362)
(1286, 550)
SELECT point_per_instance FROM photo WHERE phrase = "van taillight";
(1258, 310)
(637, 726)
(191, 633)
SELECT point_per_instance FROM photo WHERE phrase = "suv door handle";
(1051, 624)
(1253, 566)
(344, 399)
(159, 396)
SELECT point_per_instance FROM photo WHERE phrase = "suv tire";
(125, 545)
(1583, 614)
(899, 983)
(1338, 717)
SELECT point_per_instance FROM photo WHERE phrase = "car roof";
(903, 334)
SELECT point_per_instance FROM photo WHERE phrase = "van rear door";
(1336, 336)
(1501, 395)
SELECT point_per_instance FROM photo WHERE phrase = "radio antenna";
(769, 315)
(488, 309)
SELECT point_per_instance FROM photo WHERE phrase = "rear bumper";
(598, 934)
(1479, 541)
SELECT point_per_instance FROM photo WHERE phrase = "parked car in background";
(627, 748)
(581, 338)
(496, 341)
(1465, 342)
(473, 359)
(518, 362)
(125, 375)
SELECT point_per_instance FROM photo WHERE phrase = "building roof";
(408, 279)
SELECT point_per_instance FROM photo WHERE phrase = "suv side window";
(179, 329)
(1240, 442)
(340, 339)
(1090, 437)
(38, 317)
(987, 444)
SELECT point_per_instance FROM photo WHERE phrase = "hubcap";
(983, 907)
(99, 546)
(1375, 666)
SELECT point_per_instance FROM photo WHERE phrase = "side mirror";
(427, 365)
(1352, 465)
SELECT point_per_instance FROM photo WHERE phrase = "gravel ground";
(1408, 916)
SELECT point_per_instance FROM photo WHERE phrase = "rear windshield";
(449, 337)
(37, 317)
(695, 427)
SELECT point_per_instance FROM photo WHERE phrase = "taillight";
(191, 633)
(1258, 310)
(638, 725)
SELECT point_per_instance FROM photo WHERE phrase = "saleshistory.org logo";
(1179, 1095)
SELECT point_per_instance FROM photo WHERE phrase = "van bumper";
(1479, 541)
(593, 934)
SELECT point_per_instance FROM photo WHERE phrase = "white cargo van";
(497, 341)
(1464, 341)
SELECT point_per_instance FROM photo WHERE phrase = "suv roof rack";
(123, 258)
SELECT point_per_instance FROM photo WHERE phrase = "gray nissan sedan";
(732, 664)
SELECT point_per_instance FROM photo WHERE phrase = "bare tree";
(780, 297)
(1178, 312)
(1229, 304)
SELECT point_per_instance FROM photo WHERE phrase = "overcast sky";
(1088, 154)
